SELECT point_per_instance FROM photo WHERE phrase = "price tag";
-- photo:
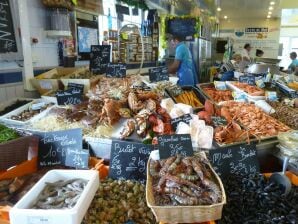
(158, 74)
(249, 79)
(116, 70)
(128, 160)
(99, 58)
(45, 84)
(69, 97)
(239, 160)
(77, 158)
(186, 118)
(218, 121)
(174, 91)
(76, 86)
(53, 146)
(171, 145)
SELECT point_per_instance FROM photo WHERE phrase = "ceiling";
(237, 9)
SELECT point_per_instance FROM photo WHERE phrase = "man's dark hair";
(259, 52)
(293, 54)
(246, 46)
(178, 37)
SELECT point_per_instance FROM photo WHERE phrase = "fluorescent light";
(272, 3)
(219, 9)
(225, 17)
(268, 16)
(269, 13)
(270, 8)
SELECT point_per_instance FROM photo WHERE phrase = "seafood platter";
(60, 196)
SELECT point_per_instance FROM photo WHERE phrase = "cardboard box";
(21, 214)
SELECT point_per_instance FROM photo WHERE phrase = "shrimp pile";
(184, 181)
(251, 90)
(257, 122)
(218, 95)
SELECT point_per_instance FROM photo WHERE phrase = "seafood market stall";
(117, 139)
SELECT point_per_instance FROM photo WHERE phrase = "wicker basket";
(184, 214)
(17, 151)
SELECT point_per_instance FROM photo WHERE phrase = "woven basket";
(17, 151)
(184, 214)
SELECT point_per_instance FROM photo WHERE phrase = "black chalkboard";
(158, 74)
(77, 158)
(239, 159)
(185, 28)
(128, 160)
(174, 91)
(218, 121)
(249, 79)
(184, 118)
(7, 34)
(53, 146)
(76, 86)
(69, 97)
(171, 145)
(99, 58)
(116, 70)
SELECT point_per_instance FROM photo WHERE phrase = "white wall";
(268, 42)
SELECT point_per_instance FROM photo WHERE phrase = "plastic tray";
(210, 85)
(12, 101)
(21, 214)
(249, 97)
(199, 95)
(6, 118)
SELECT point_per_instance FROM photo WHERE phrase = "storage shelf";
(57, 33)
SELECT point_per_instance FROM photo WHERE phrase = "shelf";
(57, 33)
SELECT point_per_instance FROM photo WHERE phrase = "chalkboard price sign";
(69, 97)
(128, 160)
(249, 79)
(171, 145)
(53, 146)
(7, 35)
(218, 121)
(77, 158)
(76, 86)
(158, 74)
(116, 70)
(239, 159)
(99, 58)
(184, 118)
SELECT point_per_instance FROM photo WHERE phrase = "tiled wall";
(44, 53)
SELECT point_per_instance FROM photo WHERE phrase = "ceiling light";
(225, 17)
(270, 8)
(272, 3)
(219, 9)
(268, 16)
(269, 13)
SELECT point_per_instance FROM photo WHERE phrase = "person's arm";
(173, 68)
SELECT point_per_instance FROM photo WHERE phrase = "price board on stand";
(116, 70)
(77, 158)
(54, 146)
(69, 97)
(249, 79)
(76, 86)
(129, 160)
(99, 58)
(186, 118)
(158, 74)
(171, 145)
(235, 160)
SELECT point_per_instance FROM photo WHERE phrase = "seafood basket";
(21, 213)
(7, 117)
(198, 94)
(184, 214)
(210, 85)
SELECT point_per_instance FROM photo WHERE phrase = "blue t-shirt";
(293, 65)
(185, 72)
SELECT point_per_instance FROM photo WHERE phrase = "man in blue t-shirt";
(183, 64)
(294, 64)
